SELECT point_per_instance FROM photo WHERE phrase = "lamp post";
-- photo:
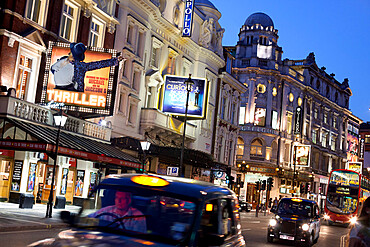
(60, 121)
(145, 145)
(188, 84)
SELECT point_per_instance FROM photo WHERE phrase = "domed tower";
(257, 45)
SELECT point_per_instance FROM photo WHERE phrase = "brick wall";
(8, 61)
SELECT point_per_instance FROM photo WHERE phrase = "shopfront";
(26, 162)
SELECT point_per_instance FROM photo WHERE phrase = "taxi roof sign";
(149, 181)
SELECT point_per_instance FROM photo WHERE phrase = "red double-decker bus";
(346, 192)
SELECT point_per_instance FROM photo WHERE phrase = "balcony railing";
(25, 110)
(153, 118)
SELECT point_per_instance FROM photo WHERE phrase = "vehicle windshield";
(342, 196)
(299, 208)
(161, 218)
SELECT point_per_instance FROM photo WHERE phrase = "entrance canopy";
(16, 134)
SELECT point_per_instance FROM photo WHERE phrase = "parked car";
(165, 211)
(245, 206)
(295, 220)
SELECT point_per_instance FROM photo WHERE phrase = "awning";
(70, 144)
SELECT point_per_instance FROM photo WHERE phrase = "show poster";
(175, 94)
(302, 155)
(79, 182)
(63, 189)
(31, 177)
(62, 86)
(17, 175)
(352, 152)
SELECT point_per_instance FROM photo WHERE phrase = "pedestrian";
(276, 202)
(270, 202)
(359, 235)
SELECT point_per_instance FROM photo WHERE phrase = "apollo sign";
(188, 18)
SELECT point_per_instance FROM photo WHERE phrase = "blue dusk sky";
(338, 32)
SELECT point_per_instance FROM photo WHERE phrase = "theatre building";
(27, 151)
(295, 122)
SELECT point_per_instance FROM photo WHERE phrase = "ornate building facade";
(150, 37)
(289, 104)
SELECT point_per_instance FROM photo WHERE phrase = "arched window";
(240, 147)
(256, 147)
(318, 84)
(274, 147)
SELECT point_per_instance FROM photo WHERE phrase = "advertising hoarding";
(355, 166)
(301, 155)
(174, 96)
(95, 96)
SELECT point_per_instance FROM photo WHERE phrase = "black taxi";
(295, 219)
(153, 210)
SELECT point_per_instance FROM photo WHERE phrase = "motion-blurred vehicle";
(296, 220)
(245, 206)
(177, 212)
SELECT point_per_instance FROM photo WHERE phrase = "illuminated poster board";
(301, 155)
(174, 96)
(353, 146)
(96, 94)
(355, 166)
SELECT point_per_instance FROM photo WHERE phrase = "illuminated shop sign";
(174, 96)
(188, 18)
(91, 93)
(298, 120)
(301, 155)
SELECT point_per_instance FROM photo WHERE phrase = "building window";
(140, 44)
(242, 115)
(260, 117)
(223, 108)
(96, 33)
(132, 114)
(333, 142)
(240, 147)
(155, 55)
(121, 103)
(130, 30)
(315, 114)
(136, 80)
(256, 147)
(24, 74)
(325, 118)
(289, 122)
(314, 136)
(367, 138)
(324, 139)
(230, 158)
(233, 109)
(36, 11)
(186, 67)
(69, 21)
(274, 120)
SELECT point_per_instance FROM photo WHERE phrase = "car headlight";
(272, 222)
(353, 220)
(326, 217)
(305, 227)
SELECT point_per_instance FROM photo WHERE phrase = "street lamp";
(60, 121)
(145, 145)
(189, 83)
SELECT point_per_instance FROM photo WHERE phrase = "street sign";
(172, 171)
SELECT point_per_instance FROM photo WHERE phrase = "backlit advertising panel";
(83, 86)
(353, 146)
(174, 96)
(301, 155)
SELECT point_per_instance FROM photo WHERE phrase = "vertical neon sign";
(188, 18)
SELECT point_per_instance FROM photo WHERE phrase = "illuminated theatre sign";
(301, 155)
(188, 18)
(59, 86)
(174, 96)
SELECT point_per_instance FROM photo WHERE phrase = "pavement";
(13, 218)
